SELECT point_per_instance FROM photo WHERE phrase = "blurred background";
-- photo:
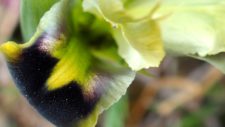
(182, 92)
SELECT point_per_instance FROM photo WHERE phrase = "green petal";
(195, 24)
(198, 26)
(113, 86)
(216, 60)
(190, 27)
(138, 39)
(142, 47)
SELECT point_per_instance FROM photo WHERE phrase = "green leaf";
(116, 115)
(31, 13)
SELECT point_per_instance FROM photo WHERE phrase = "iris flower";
(84, 54)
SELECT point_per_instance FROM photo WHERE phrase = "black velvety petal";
(63, 106)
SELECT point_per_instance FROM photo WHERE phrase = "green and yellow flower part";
(81, 55)
(61, 74)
